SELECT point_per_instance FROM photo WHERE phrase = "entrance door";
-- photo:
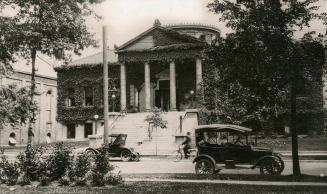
(88, 129)
(162, 95)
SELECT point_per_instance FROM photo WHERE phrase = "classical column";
(122, 87)
(147, 86)
(198, 73)
(172, 74)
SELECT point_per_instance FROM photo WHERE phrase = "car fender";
(92, 149)
(258, 162)
(206, 157)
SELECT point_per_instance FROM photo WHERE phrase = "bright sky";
(128, 18)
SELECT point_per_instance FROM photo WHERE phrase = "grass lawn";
(285, 144)
(168, 187)
(220, 176)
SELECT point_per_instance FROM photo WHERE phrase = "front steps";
(163, 141)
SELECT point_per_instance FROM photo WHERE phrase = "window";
(88, 129)
(48, 108)
(70, 100)
(71, 131)
(88, 96)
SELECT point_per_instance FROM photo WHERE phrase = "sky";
(125, 19)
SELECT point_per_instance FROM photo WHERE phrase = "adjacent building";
(46, 86)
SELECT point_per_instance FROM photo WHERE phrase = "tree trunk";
(32, 120)
(293, 128)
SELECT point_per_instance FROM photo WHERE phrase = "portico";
(158, 86)
(159, 68)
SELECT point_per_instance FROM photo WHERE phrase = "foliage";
(100, 168)
(31, 163)
(113, 179)
(8, 171)
(7, 50)
(260, 61)
(174, 52)
(59, 161)
(54, 28)
(155, 119)
(77, 79)
(15, 105)
(80, 167)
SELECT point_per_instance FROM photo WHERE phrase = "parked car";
(117, 148)
(222, 146)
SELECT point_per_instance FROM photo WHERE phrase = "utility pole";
(105, 87)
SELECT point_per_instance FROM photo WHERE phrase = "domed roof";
(186, 26)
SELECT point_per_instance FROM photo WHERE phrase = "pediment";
(155, 37)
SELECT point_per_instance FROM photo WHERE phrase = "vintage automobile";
(117, 148)
(222, 146)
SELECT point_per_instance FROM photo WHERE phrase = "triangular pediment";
(155, 37)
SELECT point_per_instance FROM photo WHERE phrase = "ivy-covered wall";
(77, 78)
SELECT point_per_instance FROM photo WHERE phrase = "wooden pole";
(105, 87)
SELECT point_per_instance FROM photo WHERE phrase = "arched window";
(48, 138)
(49, 106)
(12, 139)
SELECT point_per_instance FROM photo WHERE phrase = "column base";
(172, 110)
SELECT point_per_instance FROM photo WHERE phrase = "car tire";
(270, 167)
(90, 153)
(125, 155)
(204, 166)
(178, 157)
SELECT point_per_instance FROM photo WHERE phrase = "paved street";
(169, 166)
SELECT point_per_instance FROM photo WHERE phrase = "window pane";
(88, 93)
(71, 129)
(88, 129)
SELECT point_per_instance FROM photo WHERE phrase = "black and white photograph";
(163, 96)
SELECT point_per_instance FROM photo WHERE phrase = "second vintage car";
(117, 148)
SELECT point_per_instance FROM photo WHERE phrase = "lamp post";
(96, 117)
(113, 96)
(192, 96)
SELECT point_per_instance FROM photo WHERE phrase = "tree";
(15, 106)
(258, 65)
(155, 119)
(55, 28)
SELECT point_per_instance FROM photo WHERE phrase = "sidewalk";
(234, 182)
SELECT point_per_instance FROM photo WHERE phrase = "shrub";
(8, 171)
(113, 179)
(100, 168)
(59, 161)
(80, 167)
(30, 163)
(64, 181)
(23, 179)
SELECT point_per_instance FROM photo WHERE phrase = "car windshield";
(112, 139)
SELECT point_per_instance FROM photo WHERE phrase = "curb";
(234, 182)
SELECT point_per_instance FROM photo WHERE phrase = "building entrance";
(162, 95)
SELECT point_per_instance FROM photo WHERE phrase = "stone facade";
(45, 124)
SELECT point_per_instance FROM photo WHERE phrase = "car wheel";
(204, 166)
(125, 155)
(178, 157)
(90, 153)
(270, 167)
